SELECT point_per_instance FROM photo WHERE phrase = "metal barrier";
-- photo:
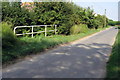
(32, 27)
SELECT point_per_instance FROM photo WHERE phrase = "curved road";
(85, 58)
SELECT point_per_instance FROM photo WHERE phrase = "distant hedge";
(113, 23)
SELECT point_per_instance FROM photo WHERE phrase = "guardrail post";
(45, 30)
(55, 29)
(14, 29)
(32, 31)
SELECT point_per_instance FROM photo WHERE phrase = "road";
(85, 58)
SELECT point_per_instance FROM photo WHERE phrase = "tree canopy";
(64, 14)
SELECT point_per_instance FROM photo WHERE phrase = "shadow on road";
(73, 61)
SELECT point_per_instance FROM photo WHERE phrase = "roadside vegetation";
(113, 67)
(113, 23)
(27, 45)
(73, 22)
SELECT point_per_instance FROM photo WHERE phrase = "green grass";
(113, 67)
(27, 45)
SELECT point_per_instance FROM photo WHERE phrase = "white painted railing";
(32, 31)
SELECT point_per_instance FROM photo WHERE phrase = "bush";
(81, 28)
(8, 37)
(75, 29)
(112, 23)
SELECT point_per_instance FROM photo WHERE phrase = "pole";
(105, 18)
(32, 31)
(45, 30)
(92, 7)
(55, 29)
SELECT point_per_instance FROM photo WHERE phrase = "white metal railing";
(32, 31)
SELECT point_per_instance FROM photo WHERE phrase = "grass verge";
(113, 67)
(28, 46)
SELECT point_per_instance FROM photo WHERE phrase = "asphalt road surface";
(85, 58)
